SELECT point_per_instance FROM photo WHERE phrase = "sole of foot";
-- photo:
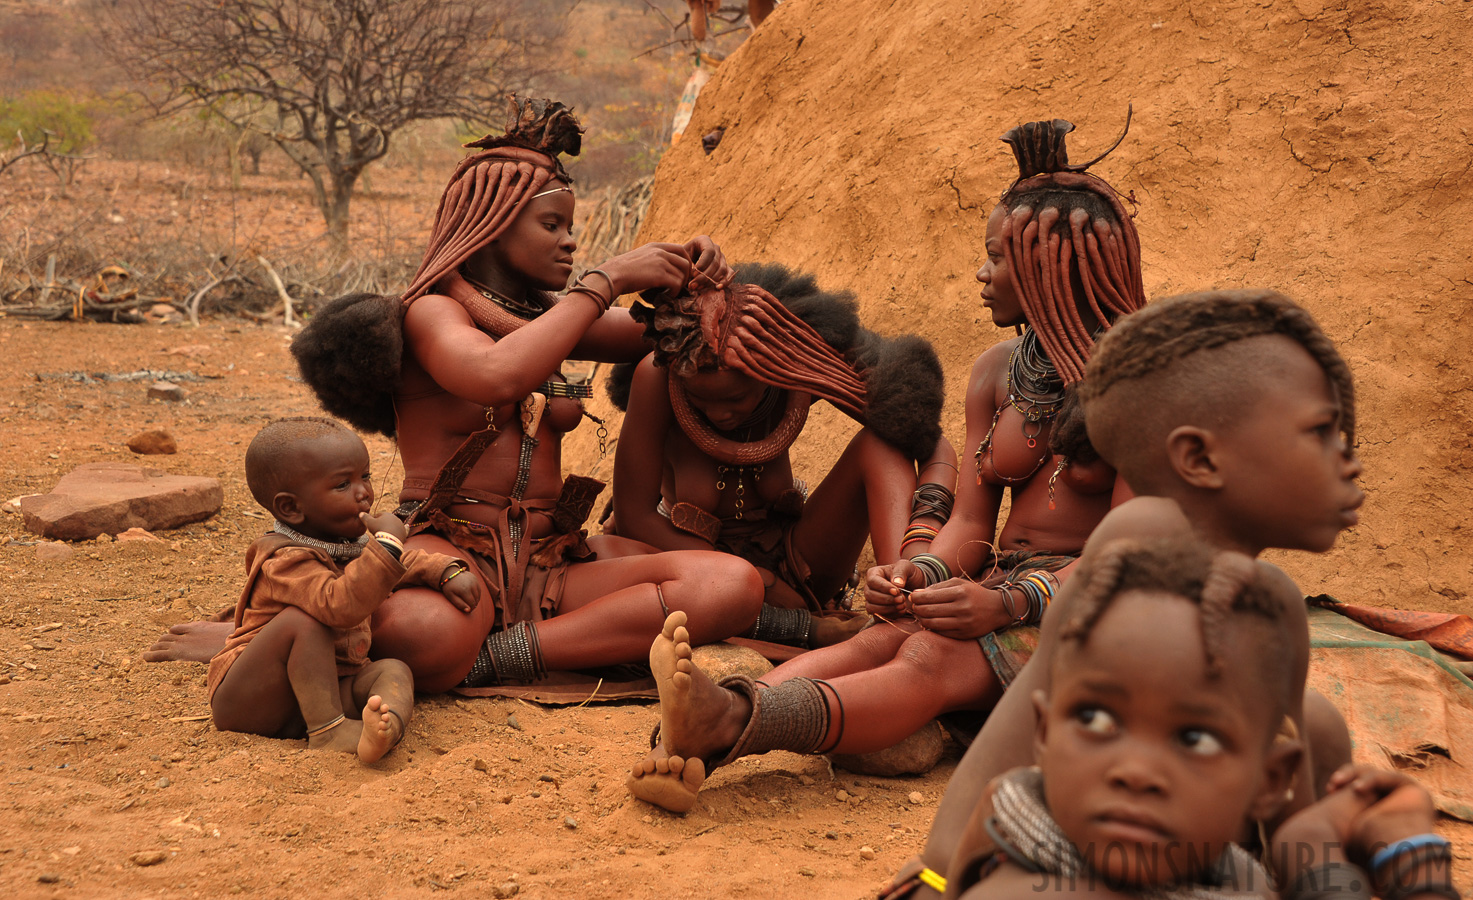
(382, 730)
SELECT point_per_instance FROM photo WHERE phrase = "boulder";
(916, 755)
(152, 443)
(110, 498)
(720, 660)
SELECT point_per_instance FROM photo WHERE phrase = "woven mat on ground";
(1408, 706)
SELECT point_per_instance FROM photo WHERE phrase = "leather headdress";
(490, 188)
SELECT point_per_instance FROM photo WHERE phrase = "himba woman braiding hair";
(953, 643)
(720, 401)
(479, 408)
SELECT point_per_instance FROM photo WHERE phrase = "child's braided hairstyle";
(1069, 244)
(1221, 583)
(1177, 327)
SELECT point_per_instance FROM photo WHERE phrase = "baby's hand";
(386, 522)
(463, 591)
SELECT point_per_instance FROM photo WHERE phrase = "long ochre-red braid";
(483, 197)
(1046, 250)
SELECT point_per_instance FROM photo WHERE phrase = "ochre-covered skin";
(456, 375)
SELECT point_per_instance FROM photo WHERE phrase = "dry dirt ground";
(104, 756)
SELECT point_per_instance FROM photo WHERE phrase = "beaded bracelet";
(390, 542)
(917, 533)
(1405, 845)
(459, 570)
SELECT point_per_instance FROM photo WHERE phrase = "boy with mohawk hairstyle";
(1232, 417)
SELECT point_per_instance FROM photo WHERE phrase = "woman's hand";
(463, 592)
(656, 265)
(886, 587)
(711, 270)
(960, 608)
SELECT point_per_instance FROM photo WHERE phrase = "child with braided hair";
(703, 458)
(1231, 416)
(1063, 262)
(1163, 729)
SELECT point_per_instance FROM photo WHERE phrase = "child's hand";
(463, 591)
(1399, 808)
(386, 522)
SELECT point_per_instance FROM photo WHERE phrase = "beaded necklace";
(759, 417)
(341, 551)
(1036, 391)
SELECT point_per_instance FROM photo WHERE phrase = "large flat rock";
(110, 498)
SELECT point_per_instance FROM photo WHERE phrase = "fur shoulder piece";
(349, 355)
(904, 388)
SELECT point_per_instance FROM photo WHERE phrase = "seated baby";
(299, 653)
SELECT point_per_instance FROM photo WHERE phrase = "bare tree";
(331, 81)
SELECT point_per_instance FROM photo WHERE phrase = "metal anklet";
(792, 627)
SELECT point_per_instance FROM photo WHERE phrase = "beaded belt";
(564, 389)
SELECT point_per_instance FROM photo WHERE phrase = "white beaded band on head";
(553, 191)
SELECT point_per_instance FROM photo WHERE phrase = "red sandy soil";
(105, 756)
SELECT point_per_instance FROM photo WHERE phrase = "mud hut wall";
(1320, 148)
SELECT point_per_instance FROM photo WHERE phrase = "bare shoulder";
(990, 369)
(1139, 519)
(1283, 589)
(433, 311)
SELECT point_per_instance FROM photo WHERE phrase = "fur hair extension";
(349, 355)
(619, 383)
(904, 388)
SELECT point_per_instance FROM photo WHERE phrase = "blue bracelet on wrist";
(1406, 845)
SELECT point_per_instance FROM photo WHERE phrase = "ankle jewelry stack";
(324, 729)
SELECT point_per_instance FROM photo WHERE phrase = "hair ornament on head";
(1039, 147)
(486, 193)
(1070, 244)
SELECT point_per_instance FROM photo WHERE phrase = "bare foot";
(342, 737)
(836, 627)
(382, 730)
(190, 642)
(669, 782)
(698, 719)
